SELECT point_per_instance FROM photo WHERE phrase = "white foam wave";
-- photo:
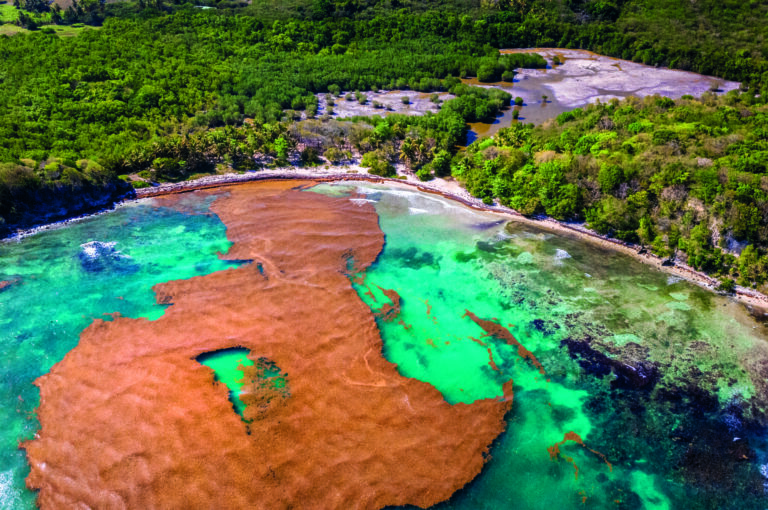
(416, 210)
(361, 201)
(95, 249)
(95, 253)
(418, 198)
(764, 472)
(10, 497)
(364, 190)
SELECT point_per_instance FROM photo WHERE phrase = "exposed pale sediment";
(390, 102)
(585, 77)
(130, 419)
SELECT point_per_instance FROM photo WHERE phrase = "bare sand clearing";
(129, 419)
(585, 77)
(391, 101)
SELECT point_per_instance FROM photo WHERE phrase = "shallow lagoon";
(687, 431)
(656, 374)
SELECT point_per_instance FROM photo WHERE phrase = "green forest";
(92, 92)
(686, 178)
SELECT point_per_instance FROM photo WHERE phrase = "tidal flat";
(580, 77)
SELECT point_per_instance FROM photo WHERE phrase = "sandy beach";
(451, 189)
(448, 188)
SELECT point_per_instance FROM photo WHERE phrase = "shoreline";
(449, 189)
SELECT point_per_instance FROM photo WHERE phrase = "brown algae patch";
(495, 329)
(6, 284)
(130, 419)
(555, 453)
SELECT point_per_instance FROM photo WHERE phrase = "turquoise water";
(654, 373)
(228, 365)
(64, 280)
(665, 383)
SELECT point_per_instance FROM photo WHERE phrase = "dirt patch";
(391, 102)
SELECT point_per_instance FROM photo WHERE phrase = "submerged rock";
(547, 327)
(639, 375)
(96, 256)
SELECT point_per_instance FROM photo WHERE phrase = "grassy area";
(60, 30)
(69, 31)
(8, 13)
(8, 29)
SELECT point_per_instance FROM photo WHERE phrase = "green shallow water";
(228, 365)
(63, 286)
(676, 441)
(665, 380)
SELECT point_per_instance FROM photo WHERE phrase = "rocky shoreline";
(447, 188)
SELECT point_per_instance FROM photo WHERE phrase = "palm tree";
(407, 151)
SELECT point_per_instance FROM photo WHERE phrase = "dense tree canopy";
(153, 94)
(686, 177)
